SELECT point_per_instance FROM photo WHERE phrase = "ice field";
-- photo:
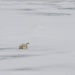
(49, 27)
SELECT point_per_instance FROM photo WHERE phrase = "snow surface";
(50, 30)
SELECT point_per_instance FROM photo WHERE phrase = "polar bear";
(24, 46)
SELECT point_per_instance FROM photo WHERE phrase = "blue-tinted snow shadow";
(25, 9)
(52, 14)
(61, 66)
(39, 68)
(44, 14)
(4, 57)
(66, 8)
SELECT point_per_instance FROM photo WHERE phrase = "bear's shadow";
(7, 48)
